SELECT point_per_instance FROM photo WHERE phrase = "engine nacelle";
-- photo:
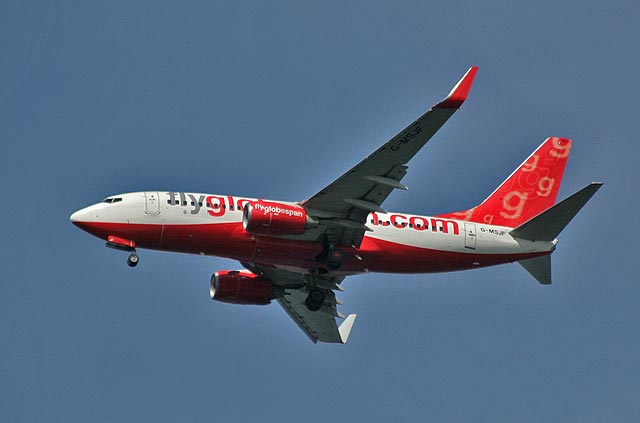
(241, 287)
(269, 218)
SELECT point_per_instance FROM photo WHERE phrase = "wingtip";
(345, 327)
(460, 91)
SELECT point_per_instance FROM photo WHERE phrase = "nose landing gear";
(133, 259)
(124, 245)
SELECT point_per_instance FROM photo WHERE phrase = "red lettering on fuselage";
(444, 226)
(216, 206)
(418, 223)
(398, 220)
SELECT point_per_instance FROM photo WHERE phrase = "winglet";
(345, 327)
(460, 91)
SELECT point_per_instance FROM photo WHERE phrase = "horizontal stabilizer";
(547, 225)
(539, 268)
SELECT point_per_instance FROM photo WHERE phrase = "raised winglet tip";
(460, 91)
(345, 327)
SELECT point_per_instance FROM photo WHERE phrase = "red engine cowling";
(241, 287)
(269, 218)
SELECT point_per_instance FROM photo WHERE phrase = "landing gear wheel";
(133, 260)
(335, 259)
(315, 299)
(330, 255)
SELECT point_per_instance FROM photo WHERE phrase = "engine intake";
(270, 218)
(242, 287)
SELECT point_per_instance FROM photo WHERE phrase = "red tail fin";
(531, 189)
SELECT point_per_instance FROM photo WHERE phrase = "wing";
(318, 325)
(343, 206)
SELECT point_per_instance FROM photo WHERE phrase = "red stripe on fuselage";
(230, 240)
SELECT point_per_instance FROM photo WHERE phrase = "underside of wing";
(319, 325)
(343, 206)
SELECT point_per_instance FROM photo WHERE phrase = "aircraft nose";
(81, 216)
(75, 217)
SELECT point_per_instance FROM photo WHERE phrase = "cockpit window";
(112, 200)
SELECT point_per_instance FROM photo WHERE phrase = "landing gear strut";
(331, 255)
(315, 299)
(124, 245)
(335, 258)
(133, 259)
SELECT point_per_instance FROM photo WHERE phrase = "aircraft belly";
(380, 255)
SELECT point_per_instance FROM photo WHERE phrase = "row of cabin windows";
(403, 225)
(193, 203)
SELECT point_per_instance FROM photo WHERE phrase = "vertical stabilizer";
(531, 189)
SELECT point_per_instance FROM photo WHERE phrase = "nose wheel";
(133, 259)
(123, 244)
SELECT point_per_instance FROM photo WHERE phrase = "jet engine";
(270, 218)
(242, 287)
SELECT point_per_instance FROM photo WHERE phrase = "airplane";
(298, 253)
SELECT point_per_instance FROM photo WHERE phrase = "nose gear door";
(152, 204)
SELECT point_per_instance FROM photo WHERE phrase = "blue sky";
(276, 99)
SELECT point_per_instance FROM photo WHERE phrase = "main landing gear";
(331, 255)
(335, 258)
(315, 299)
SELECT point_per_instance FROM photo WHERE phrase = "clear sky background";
(275, 100)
